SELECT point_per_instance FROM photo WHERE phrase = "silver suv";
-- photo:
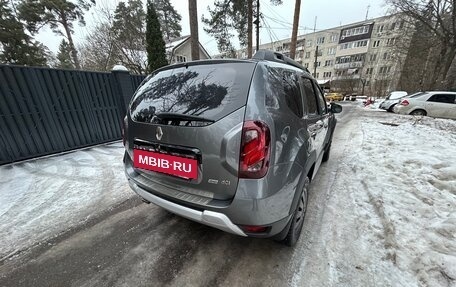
(233, 144)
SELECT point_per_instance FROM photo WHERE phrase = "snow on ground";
(44, 197)
(404, 185)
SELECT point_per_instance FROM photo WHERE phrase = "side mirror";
(336, 108)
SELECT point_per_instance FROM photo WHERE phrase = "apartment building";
(358, 58)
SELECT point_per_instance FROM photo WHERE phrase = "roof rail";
(277, 57)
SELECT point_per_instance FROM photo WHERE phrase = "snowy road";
(382, 212)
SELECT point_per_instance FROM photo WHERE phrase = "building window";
(351, 45)
(380, 28)
(333, 38)
(355, 31)
(386, 56)
(318, 75)
(369, 71)
(391, 41)
(181, 59)
(332, 51)
(368, 83)
(318, 64)
(320, 53)
(329, 63)
(401, 24)
(306, 65)
(384, 70)
(309, 43)
(393, 26)
(327, 75)
(376, 44)
(307, 55)
(373, 57)
(320, 40)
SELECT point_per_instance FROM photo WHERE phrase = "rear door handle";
(313, 134)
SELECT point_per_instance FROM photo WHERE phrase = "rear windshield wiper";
(182, 117)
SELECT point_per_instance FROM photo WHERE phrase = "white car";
(392, 99)
(437, 104)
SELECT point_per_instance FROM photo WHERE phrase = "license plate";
(164, 163)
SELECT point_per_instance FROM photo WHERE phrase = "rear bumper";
(403, 110)
(206, 217)
(244, 209)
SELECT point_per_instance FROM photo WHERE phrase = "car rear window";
(210, 91)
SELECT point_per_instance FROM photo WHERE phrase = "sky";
(329, 13)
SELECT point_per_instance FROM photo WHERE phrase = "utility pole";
(294, 34)
(249, 28)
(257, 22)
(193, 14)
(316, 48)
(367, 13)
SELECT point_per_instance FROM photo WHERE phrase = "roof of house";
(173, 44)
(176, 42)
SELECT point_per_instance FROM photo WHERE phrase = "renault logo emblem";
(159, 133)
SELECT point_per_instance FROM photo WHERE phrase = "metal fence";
(45, 111)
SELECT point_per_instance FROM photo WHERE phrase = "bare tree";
(438, 17)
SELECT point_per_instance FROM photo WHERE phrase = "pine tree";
(64, 60)
(169, 19)
(57, 14)
(228, 16)
(130, 35)
(154, 40)
(16, 47)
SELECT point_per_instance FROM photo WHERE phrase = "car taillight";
(255, 150)
(124, 127)
(404, 103)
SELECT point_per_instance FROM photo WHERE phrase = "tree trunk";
(192, 10)
(294, 34)
(435, 76)
(258, 26)
(449, 70)
(249, 28)
(450, 79)
(74, 53)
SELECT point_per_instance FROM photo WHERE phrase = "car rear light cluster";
(404, 103)
(255, 150)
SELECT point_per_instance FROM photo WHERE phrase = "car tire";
(418, 112)
(297, 221)
(390, 109)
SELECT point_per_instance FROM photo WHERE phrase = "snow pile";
(41, 198)
(407, 180)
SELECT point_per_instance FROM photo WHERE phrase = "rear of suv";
(232, 144)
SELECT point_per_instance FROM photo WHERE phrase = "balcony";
(351, 65)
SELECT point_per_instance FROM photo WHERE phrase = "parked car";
(350, 97)
(434, 104)
(334, 97)
(391, 100)
(233, 144)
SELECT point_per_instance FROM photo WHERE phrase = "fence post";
(123, 86)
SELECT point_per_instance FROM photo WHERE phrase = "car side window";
(442, 98)
(284, 84)
(309, 96)
(321, 100)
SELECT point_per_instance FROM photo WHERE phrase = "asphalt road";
(136, 244)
